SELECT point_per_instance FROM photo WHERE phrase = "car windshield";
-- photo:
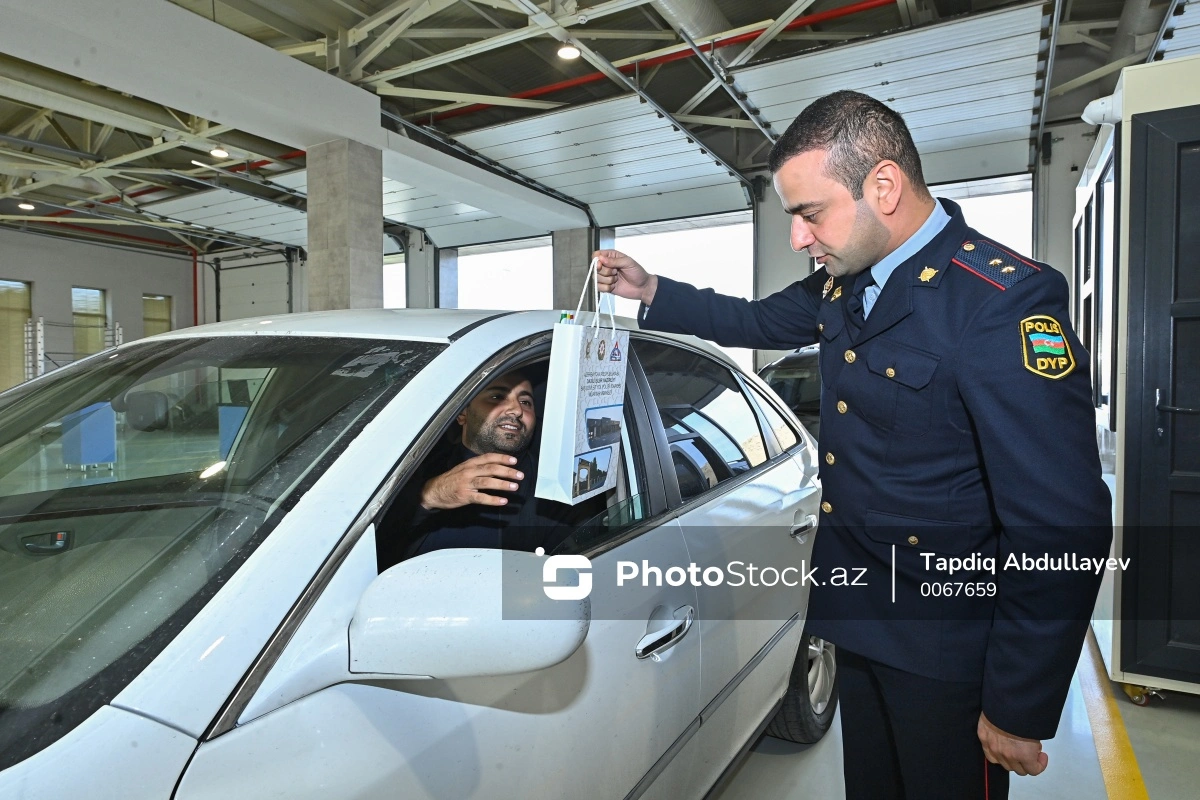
(798, 384)
(133, 485)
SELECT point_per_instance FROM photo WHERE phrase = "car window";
(784, 433)
(134, 484)
(797, 383)
(711, 429)
(575, 529)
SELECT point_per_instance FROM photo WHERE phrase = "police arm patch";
(1046, 348)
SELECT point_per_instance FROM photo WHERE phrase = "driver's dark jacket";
(936, 437)
(524, 523)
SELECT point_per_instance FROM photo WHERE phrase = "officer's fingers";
(1038, 765)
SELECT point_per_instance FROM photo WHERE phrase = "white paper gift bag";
(585, 396)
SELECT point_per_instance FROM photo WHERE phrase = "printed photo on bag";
(591, 471)
(603, 425)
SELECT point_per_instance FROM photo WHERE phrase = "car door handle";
(657, 641)
(801, 530)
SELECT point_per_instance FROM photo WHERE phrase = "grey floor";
(1165, 736)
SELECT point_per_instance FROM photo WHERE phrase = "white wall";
(53, 266)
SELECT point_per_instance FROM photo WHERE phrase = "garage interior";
(170, 163)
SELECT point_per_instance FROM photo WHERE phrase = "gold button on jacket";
(850, 356)
(842, 407)
(826, 507)
(912, 540)
(829, 459)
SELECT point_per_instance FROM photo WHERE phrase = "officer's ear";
(885, 183)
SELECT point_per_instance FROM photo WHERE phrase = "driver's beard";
(489, 439)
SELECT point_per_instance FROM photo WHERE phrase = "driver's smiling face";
(501, 418)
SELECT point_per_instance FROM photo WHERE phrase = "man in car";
(480, 492)
(956, 419)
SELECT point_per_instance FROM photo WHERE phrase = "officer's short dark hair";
(859, 132)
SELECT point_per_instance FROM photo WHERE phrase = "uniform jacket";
(956, 420)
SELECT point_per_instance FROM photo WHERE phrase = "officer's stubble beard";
(866, 246)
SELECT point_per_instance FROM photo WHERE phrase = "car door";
(600, 724)
(746, 509)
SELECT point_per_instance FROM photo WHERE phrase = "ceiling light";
(26, 206)
(568, 51)
(219, 152)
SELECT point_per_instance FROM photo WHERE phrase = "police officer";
(956, 423)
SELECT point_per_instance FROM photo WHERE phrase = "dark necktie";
(855, 304)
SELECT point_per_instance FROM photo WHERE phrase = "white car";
(191, 601)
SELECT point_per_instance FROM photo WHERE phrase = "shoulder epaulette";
(996, 265)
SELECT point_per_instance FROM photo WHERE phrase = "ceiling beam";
(250, 88)
(388, 90)
(502, 40)
(754, 48)
(276, 22)
(383, 41)
(726, 122)
(1098, 73)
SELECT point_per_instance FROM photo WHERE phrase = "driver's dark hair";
(859, 132)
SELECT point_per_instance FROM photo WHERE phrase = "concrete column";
(775, 265)
(421, 273)
(447, 277)
(345, 226)
(572, 253)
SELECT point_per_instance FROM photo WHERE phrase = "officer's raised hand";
(619, 274)
(467, 482)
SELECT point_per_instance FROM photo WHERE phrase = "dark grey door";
(1161, 598)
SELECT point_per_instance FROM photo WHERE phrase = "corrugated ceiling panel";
(670, 205)
(920, 93)
(237, 213)
(982, 34)
(1184, 30)
(607, 148)
(614, 149)
(981, 91)
(584, 117)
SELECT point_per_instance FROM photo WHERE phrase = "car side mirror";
(465, 612)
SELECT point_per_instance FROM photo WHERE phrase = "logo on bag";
(600, 351)
(587, 349)
(581, 564)
(615, 353)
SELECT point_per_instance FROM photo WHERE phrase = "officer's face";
(501, 418)
(842, 234)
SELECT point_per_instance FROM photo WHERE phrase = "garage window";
(89, 314)
(15, 311)
(156, 314)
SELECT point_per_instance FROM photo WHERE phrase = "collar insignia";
(836, 294)
(828, 286)
(927, 274)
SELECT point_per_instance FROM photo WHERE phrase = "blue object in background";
(89, 436)
(229, 421)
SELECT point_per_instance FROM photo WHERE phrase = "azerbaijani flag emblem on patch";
(1045, 347)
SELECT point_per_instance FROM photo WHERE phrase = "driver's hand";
(465, 484)
(619, 274)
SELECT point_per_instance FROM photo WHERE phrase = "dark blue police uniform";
(956, 419)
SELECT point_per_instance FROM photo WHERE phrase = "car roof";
(441, 325)
(802, 355)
